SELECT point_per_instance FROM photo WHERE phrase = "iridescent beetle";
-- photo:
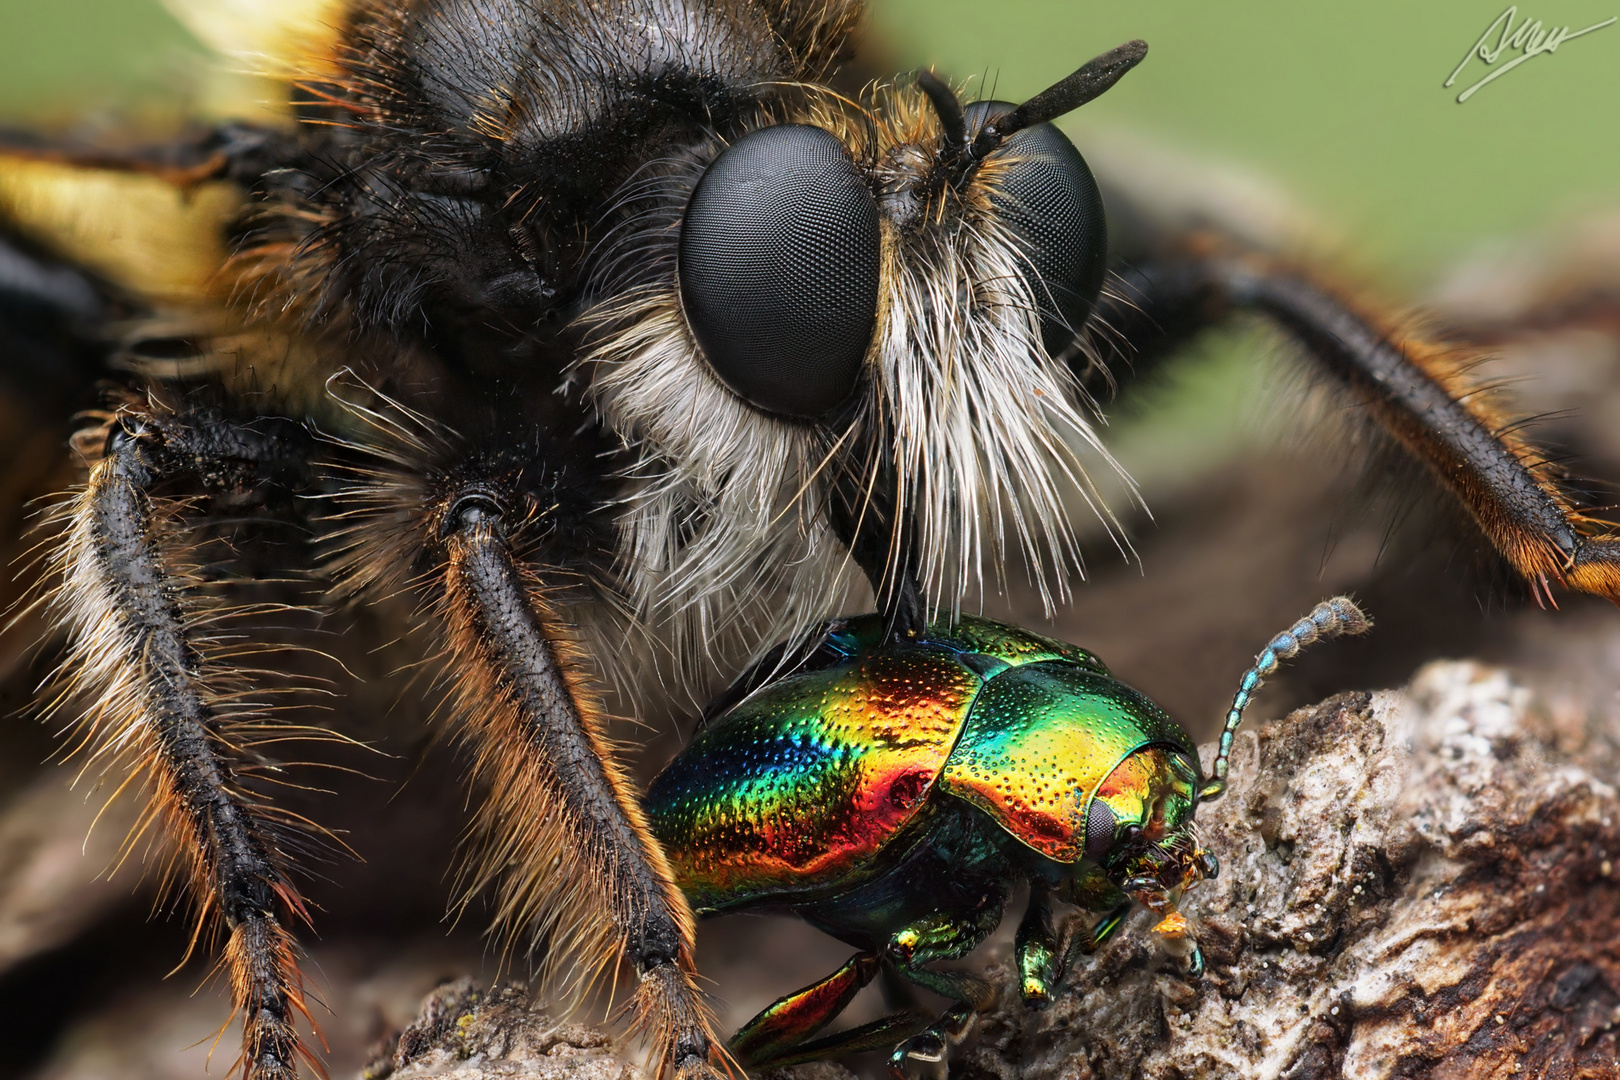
(893, 792)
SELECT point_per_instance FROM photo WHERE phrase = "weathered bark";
(464, 1033)
(1414, 883)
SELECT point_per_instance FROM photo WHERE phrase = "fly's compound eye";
(1100, 824)
(1047, 196)
(779, 269)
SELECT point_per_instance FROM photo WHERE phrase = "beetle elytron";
(893, 793)
(613, 333)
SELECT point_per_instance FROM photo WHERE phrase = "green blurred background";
(1341, 105)
(1341, 102)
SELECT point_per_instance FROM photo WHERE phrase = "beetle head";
(1141, 835)
(1140, 827)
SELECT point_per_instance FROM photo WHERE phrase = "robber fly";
(614, 334)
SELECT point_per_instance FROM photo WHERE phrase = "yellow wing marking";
(154, 239)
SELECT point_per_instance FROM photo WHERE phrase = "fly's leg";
(499, 532)
(238, 152)
(164, 710)
(780, 1031)
(567, 847)
(1416, 388)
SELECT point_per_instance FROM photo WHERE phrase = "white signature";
(1528, 39)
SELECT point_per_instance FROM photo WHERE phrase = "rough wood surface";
(1415, 883)
(465, 1033)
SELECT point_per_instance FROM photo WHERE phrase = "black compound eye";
(779, 269)
(1099, 831)
(1048, 197)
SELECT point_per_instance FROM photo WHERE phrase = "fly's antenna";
(951, 118)
(1328, 619)
(1087, 83)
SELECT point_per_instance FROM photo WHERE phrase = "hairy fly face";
(830, 337)
(845, 329)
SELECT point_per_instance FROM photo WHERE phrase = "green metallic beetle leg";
(1085, 942)
(1107, 925)
(1039, 962)
(926, 1055)
(945, 935)
(961, 986)
(880, 1034)
(783, 1026)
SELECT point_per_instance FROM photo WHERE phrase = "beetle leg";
(1036, 947)
(1107, 925)
(1415, 387)
(943, 936)
(880, 1034)
(785, 1024)
(926, 1055)
(1083, 942)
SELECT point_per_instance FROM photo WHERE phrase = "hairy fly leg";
(163, 698)
(1416, 388)
(505, 537)
(549, 753)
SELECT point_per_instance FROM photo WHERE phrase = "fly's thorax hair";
(456, 151)
(527, 73)
(815, 34)
(983, 431)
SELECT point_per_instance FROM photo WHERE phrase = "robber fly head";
(846, 328)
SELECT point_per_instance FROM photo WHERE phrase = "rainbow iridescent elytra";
(894, 792)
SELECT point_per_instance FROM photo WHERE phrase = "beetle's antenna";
(1330, 618)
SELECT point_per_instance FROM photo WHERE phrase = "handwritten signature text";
(1528, 39)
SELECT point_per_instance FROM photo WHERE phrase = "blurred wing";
(265, 48)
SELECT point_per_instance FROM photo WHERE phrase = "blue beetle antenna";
(1330, 618)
